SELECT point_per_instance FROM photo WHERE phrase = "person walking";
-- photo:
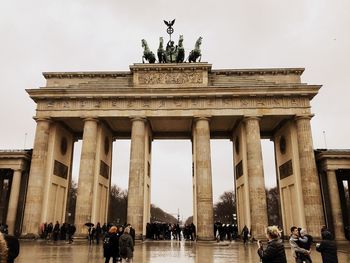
(296, 250)
(111, 245)
(98, 233)
(126, 246)
(274, 252)
(245, 233)
(328, 248)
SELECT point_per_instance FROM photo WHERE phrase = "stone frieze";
(187, 103)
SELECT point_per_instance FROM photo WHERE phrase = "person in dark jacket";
(126, 246)
(274, 252)
(111, 245)
(13, 248)
(327, 248)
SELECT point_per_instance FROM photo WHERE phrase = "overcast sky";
(38, 36)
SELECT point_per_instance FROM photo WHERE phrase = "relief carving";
(153, 78)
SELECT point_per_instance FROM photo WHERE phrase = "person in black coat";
(327, 248)
(111, 245)
(274, 252)
(13, 248)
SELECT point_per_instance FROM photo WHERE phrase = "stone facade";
(188, 101)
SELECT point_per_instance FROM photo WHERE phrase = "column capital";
(138, 118)
(19, 170)
(43, 119)
(202, 117)
(90, 118)
(251, 117)
(303, 117)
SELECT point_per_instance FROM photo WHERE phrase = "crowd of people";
(118, 241)
(225, 231)
(167, 231)
(57, 231)
(300, 242)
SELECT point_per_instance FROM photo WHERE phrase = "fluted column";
(35, 190)
(86, 175)
(335, 205)
(204, 194)
(257, 196)
(13, 202)
(309, 178)
(136, 176)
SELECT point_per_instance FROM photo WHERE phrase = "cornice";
(15, 154)
(263, 71)
(332, 154)
(81, 75)
(308, 91)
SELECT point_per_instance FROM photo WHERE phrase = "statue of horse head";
(181, 39)
(198, 43)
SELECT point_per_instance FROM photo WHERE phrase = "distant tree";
(158, 215)
(273, 206)
(189, 220)
(118, 201)
(225, 208)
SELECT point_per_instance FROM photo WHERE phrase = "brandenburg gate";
(173, 101)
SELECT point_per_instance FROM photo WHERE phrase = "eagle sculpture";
(170, 23)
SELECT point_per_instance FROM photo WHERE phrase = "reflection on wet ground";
(156, 252)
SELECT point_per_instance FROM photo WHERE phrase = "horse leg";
(143, 61)
(200, 57)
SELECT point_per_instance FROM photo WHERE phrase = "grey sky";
(79, 35)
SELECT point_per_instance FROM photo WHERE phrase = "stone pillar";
(204, 189)
(13, 202)
(86, 175)
(335, 205)
(257, 196)
(309, 178)
(35, 190)
(136, 176)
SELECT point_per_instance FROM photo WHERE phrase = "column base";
(29, 236)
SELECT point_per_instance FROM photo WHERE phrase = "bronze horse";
(147, 53)
(196, 52)
(180, 56)
(161, 52)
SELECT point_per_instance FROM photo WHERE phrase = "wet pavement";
(156, 252)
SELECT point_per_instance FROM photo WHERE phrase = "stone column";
(86, 175)
(257, 196)
(309, 178)
(13, 202)
(136, 176)
(36, 182)
(335, 205)
(204, 189)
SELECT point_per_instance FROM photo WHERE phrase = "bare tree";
(273, 206)
(117, 205)
(225, 208)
